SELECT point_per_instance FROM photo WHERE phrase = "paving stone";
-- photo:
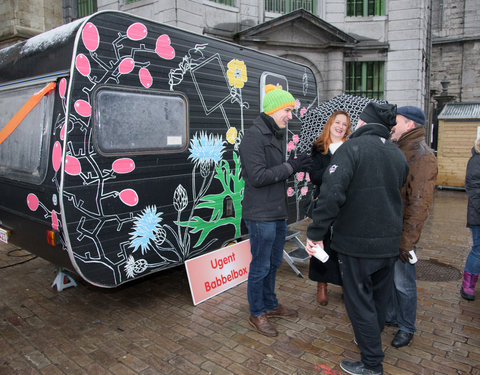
(96, 369)
(238, 369)
(38, 359)
(214, 368)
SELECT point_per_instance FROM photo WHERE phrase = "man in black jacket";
(264, 206)
(360, 195)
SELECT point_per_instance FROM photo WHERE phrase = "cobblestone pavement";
(152, 327)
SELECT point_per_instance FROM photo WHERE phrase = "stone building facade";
(456, 48)
(324, 41)
(20, 20)
(399, 38)
(417, 43)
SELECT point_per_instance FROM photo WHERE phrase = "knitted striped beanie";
(275, 99)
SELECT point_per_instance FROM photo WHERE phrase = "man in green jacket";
(264, 206)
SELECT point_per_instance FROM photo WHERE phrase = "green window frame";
(365, 79)
(365, 8)
(287, 6)
(86, 7)
(230, 3)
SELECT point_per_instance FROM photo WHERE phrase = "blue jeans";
(472, 265)
(403, 306)
(267, 240)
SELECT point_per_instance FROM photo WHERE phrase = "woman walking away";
(472, 186)
(335, 132)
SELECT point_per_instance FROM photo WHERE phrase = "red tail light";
(51, 238)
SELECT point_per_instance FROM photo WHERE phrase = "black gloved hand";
(404, 256)
(303, 162)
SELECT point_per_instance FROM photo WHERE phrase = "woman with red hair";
(334, 133)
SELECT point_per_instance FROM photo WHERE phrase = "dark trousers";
(367, 288)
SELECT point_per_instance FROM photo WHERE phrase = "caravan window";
(24, 154)
(271, 79)
(129, 121)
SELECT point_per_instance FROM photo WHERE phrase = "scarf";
(272, 125)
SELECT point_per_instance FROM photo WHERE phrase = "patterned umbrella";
(315, 119)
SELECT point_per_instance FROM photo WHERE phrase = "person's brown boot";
(262, 325)
(281, 311)
(322, 297)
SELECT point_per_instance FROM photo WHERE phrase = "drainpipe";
(261, 11)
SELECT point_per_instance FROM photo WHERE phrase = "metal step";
(290, 262)
(291, 234)
(299, 254)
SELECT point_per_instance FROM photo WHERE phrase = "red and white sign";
(213, 273)
(3, 235)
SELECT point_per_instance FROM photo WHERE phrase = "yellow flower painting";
(237, 73)
(232, 135)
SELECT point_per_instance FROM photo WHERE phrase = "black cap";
(412, 113)
(385, 114)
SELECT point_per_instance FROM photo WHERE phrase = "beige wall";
(23, 19)
(455, 141)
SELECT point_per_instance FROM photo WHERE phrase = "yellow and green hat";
(275, 99)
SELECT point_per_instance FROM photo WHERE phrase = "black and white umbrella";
(315, 119)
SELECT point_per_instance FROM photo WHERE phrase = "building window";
(287, 6)
(365, 8)
(130, 121)
(86, 7)
(225, 2)
(364, 79)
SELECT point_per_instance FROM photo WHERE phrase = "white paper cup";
(413, 258)
(320, 254)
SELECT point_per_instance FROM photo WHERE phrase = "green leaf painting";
(233, 186)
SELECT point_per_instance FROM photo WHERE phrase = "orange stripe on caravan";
(24, 111)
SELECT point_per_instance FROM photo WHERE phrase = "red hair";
(324, 140)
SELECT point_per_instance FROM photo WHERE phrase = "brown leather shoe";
(262, 325)
(281, 311)
(322, 297)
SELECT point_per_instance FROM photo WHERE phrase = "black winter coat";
(320, 162)
(328, 272)
(265, 172)
(360, 194)
(472, 186)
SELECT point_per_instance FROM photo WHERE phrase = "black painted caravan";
(130, 156)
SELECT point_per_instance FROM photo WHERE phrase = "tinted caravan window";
(24, 154)
(136, 121)
(271, 79)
